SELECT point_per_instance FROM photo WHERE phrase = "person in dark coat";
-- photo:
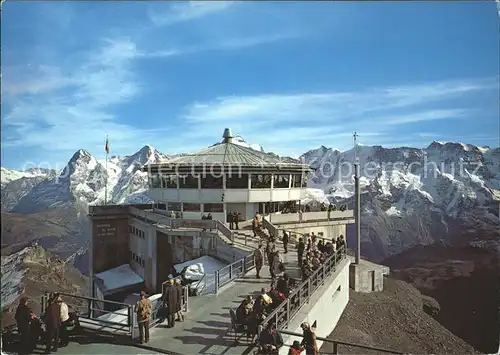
(285, 241)
(230, 219)
(237, 220)
(171, 300)
(300, 251)
(178, 288)
(23, 319)
(52, 324)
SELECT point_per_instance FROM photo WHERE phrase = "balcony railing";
(305, 217)
(336, 345)
(297, 299)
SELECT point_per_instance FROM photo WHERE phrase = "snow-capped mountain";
(84, 180)
(447, 192)
(240, 141)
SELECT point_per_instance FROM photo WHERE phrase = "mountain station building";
(137, 247)
(227, 178)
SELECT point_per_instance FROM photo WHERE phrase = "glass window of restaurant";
(213, 207)
(174, 206)
(211, 182)
(261, 181)
(169, 181)
(304, 180)
(155, 181)
(191, 207)
(188, 181)
(281, 181)
(237, 181)
(297, 180)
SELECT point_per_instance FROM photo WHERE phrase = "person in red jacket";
(295, 348)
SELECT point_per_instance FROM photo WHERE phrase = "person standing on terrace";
(258, 259)
(144, 309)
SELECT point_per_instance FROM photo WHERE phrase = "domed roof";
(229, 154)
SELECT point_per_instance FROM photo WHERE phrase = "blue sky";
(289, 76)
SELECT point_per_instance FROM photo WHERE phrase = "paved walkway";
(205, 328)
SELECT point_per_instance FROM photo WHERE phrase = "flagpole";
(106, 168)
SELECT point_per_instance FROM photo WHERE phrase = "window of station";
(136, 231)
(297, 180)
(138, 259)
(188, 182)
(169, 181)
(174, 206)
(281, 181)
(155, 181)
(211, 182)
(260, 181)
(192, 207)
(213, 207)
(237, 181)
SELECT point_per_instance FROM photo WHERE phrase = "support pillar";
(357, 211)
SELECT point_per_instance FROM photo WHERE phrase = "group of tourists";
(52, 327)
(312, 251)
(233, 219)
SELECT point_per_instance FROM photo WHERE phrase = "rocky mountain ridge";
(446, 193)
(410, 196)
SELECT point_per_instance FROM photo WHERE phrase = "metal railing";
(221, 227)
(337, 343)
(304, 217)
(91, 314)
(299, 297)
(272, 229)
(233, 271)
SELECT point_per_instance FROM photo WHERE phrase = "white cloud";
(75, 109)
(290, 123)
(187, 11)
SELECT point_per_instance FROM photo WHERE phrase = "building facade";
(227, 178)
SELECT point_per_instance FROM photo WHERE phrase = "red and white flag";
(106, 148)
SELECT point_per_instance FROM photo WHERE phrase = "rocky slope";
(30, 271)
(393, 319)
(465, 281)
(447, 192)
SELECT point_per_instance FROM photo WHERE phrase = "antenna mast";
(357, 197)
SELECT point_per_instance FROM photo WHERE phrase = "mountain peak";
(80, 154)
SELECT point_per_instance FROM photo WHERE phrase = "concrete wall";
(110, 241)
(230, 195)
(325, 307)
(226, 252)
(310, 216)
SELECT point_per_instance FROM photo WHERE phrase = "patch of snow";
(13, 273)
(240, 141)
(314, 196)
(119, 277)
(195, 269)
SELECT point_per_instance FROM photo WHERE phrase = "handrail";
(235, 270)
(91, 310)
(273, 230)
(221, 227)
(285, 312)
(336, 343)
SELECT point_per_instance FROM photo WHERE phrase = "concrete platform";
(205, 328)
